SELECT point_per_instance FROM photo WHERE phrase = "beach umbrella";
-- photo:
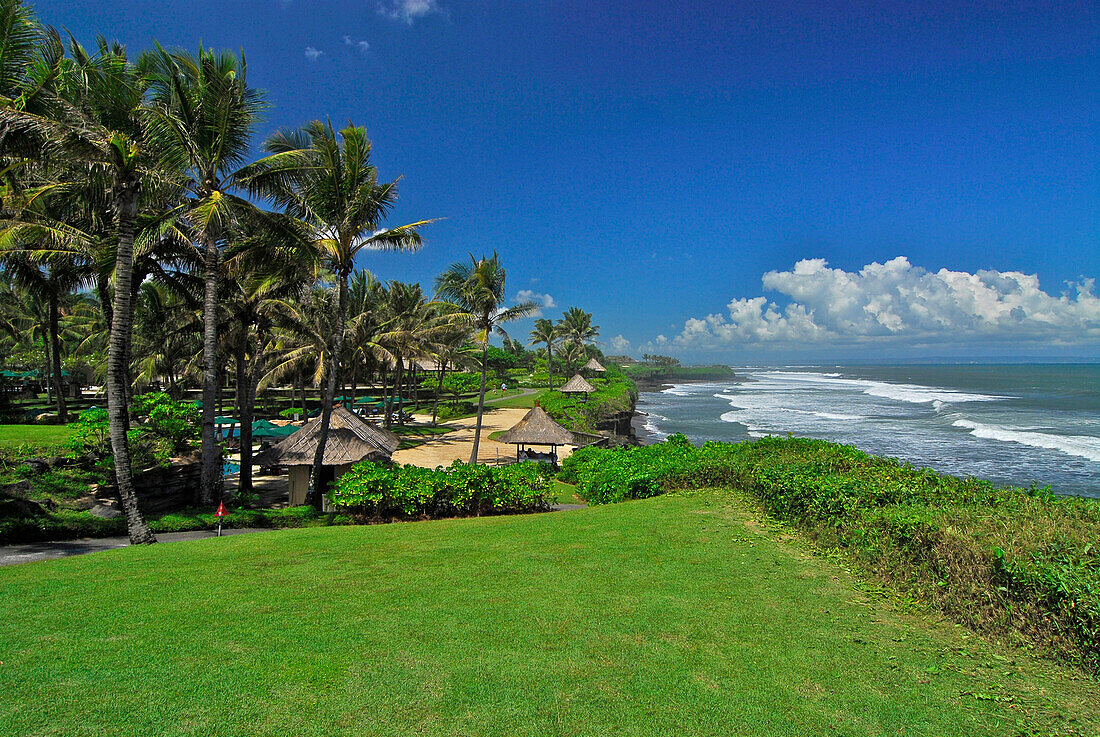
(226, 421)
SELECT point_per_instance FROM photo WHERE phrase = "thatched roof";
(350, 440)
(577, 384)
(537, 428)
(594, 365)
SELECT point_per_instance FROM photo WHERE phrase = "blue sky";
(770, 180)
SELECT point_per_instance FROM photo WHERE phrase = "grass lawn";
(514, 398)
(14, 435)
(680, 615)
(566, 493)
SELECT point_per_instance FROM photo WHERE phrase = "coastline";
(643, 434)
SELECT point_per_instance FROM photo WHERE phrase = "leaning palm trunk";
(480, 400)
(211, 453)
(117, 373)
(317, 493)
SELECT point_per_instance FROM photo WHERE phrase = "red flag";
(222, 511)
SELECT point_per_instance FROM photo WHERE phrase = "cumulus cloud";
(313, 54)
(619, 344)
(896, 301)
(408, 11)
(544, 301)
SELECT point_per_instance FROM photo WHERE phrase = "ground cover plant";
(681, 614)
(379, 490)
(615, 393)
(1021, 564)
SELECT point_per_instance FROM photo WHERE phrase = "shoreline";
(647, 386)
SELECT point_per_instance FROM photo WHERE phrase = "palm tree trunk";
(211, 453)
(244, 408)
(438, 389)
(117, 373)
(480, 399)
(55, 351)
(330, 393)
(550, 364)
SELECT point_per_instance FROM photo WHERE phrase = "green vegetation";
(654, 374)
(1019, 564)
(615, 394)
(376, 490)
(676, 615)
(34, 435)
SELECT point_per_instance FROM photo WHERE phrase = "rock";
(35, 466)
(105, 512)
(19, 488)
(47, 418)
(85, 502)
(57, 461)
(25, 507)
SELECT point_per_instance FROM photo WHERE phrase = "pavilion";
(537, 428)
(577, 385)
(350, 440)
(593, 365)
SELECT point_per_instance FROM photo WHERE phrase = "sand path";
(459, 443)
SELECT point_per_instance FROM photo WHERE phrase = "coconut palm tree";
(201, 119)
(90, 130)
(576, 326)
(477, 289)
(327, 180)
(546, 333)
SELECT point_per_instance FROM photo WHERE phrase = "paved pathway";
(30, 552)
(12, 554)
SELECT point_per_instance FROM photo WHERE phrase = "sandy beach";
(442, 450)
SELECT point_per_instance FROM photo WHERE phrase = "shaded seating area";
(350, 440)
(539, 429)
(577, 385)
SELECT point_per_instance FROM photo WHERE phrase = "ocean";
(1011, 424)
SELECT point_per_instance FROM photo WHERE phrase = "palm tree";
(201, 119)
(329, 183)
(576, 325)
(90, 130)
(477, 288)
(572, 353)
(545, 332)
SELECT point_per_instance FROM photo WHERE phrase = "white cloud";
(899, 302)
(408, 11)
(619, 344)
(363, 46)
(313, 54)
(544, 301)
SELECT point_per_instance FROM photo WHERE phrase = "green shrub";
(90, 432)
(461, 489)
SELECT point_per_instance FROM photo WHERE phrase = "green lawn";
(14, 435)
(414, 435)
(514, 398)
(679, 615)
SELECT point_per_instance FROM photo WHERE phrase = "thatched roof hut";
(577, 385)
(594, 365)
(350, 440)
(537, 428)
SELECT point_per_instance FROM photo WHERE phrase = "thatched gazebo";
(537, 428)
(593, 365)
(577, 385)
(350, 440)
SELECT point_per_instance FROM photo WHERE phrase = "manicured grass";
(679, 615)
(514, 399)
(566, 493)
(16, 435)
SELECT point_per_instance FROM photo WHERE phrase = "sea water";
(1011, 424)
